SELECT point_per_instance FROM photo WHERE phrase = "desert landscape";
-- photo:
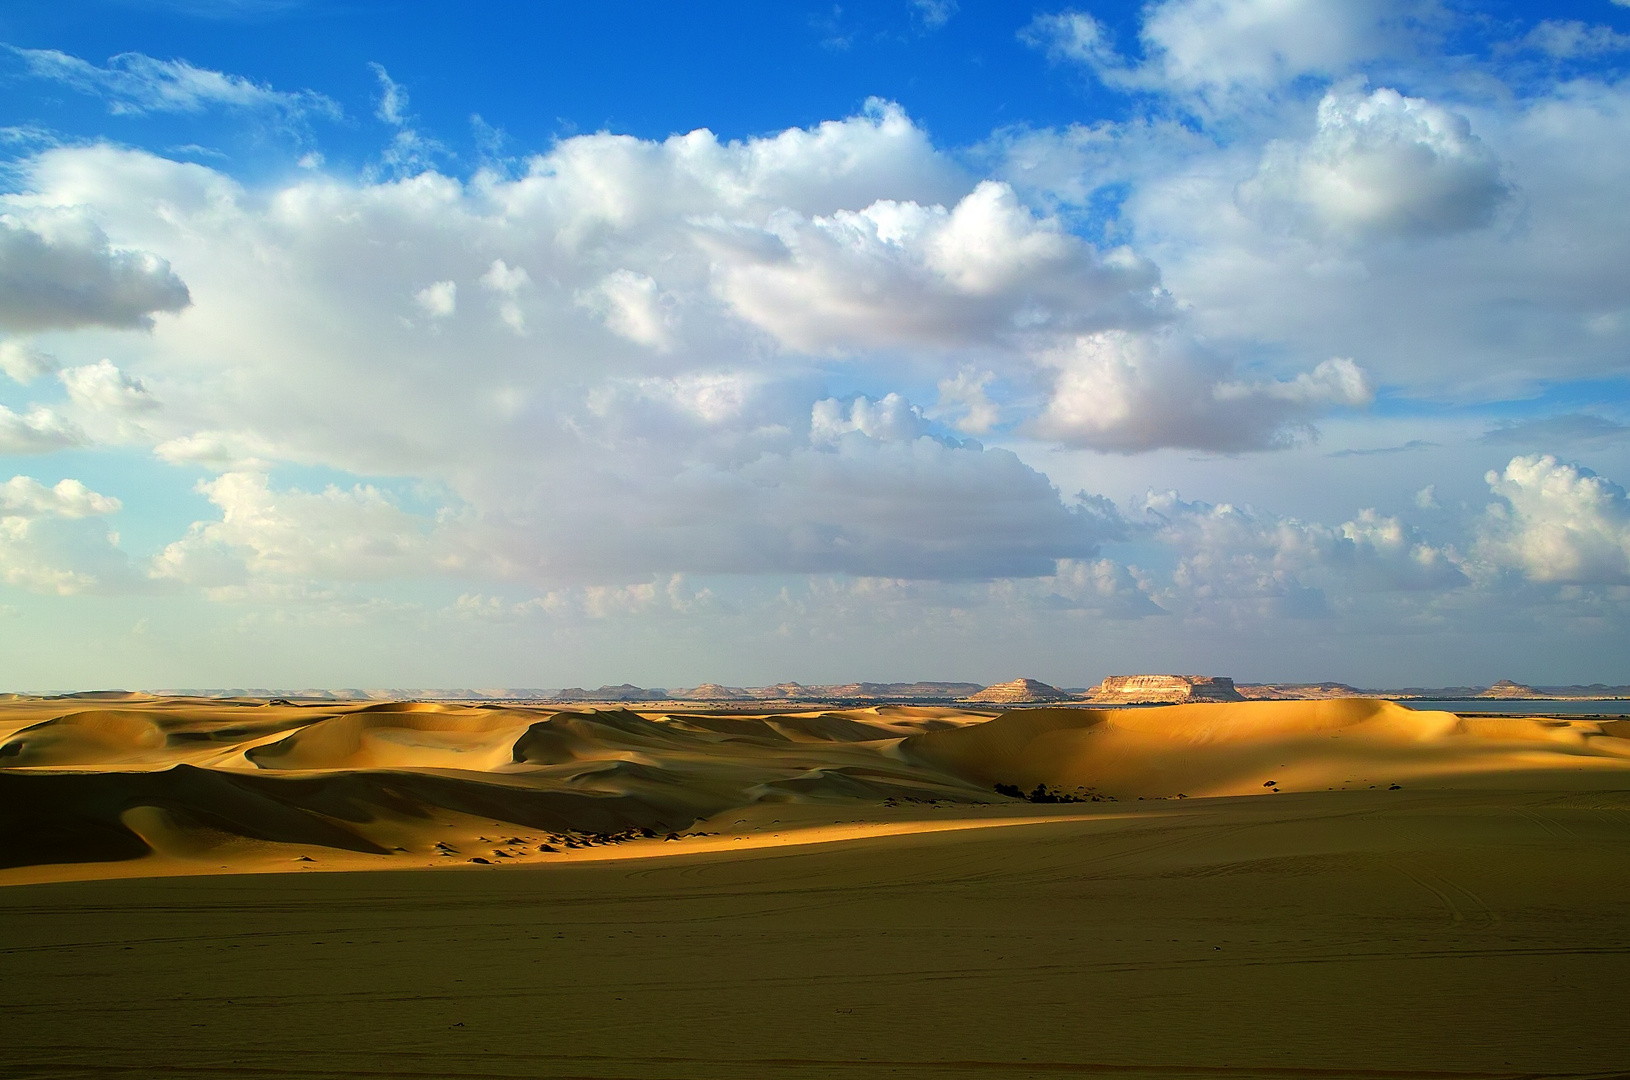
(865, 540)
(213, 887)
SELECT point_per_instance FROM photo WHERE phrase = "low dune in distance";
(140, 786)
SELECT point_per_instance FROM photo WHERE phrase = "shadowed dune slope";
(91, 817)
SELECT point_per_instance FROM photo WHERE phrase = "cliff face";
(1137, 689)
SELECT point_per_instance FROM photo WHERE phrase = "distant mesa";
(1163, 689)
(1019, 691)
(1505, 688)
(715, 692)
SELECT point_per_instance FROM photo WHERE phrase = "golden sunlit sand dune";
(1244, 747)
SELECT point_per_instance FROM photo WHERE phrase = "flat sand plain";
(849, 900)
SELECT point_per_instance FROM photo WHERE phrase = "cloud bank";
(642, 332)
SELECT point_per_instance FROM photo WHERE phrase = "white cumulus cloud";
(1216, 50)
(891, 418)
(38, 431)
(438, 300)
(1238, 563)
(1219, 44)
(23, 363)
(901, 273)
(1557, 522)
(1381, 163)
(102, 387)
(50, 543)
(27, 497)
(965, 402)
(297, 535)
(1127, 392)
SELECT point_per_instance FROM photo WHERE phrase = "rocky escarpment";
(1170, 689)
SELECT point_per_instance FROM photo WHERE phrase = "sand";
(135, 786)
(847, 896)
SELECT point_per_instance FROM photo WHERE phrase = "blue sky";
(543, 70)
(537, 345)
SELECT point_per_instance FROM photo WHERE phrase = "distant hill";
(1507, 690)
(1019, 691)
(1318, 691)
(1504, 690)
(1163, 689)
(622, 692)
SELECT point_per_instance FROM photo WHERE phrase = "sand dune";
(424, 736)
(1249, 747)
(88, 738)
(136, 784)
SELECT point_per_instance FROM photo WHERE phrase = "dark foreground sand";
(1368, 933)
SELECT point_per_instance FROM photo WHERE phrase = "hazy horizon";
(522, 692)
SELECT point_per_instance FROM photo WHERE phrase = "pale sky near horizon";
(532, 344)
